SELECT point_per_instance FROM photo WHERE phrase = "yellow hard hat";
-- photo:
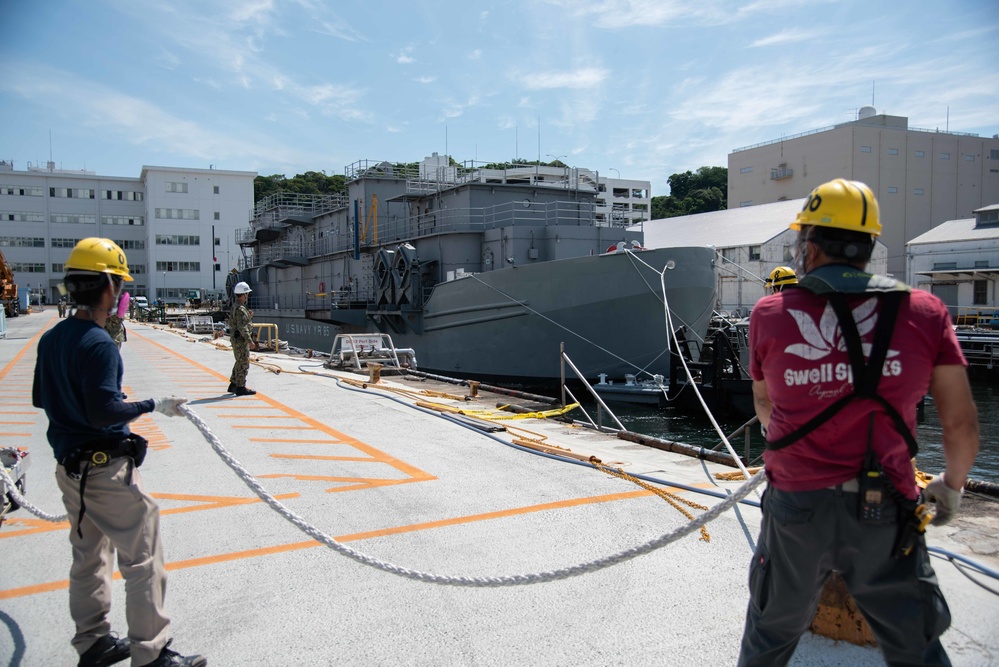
(841, 204)
(99, 255)
(782, 275)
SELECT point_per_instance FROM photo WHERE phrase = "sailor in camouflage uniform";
(239, 322)
(115, 328)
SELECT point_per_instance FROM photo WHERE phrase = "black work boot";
(170, 658)
(231, 389)
(243, 391)
(107, 650)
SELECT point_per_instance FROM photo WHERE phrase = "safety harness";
(835, 282)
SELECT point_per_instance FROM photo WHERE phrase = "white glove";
(170, 406)
(946, 499)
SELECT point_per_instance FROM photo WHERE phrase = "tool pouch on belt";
(139, 446)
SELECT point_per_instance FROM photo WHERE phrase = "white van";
(141, 302)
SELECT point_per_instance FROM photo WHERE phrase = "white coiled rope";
(23, 502)
(478, 582)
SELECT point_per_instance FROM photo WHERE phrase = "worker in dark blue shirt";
(78, 384)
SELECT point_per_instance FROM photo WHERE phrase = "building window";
(788, 254)
(917, 191)
(176, 187)
(920, 154)
(130, 245)
(865, 149)
(21, 242)
(121, 195)
(754, 253)
(178, 266)
(215, 190)
(58, 268)
(945, 156)
(892, 151)
(217, 215)
(136, 268)
(64, 243)
(22, 216)
(969, 158)
(892, 190)
(36, 191)
(746, 170)
(78, 219)
(178, 214)
(176, 239)
(748, 202)
(981, 296)
(73, 193)
(135, 220)
(27, 267)
(981, 263)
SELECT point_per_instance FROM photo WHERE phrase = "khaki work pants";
(120, 517)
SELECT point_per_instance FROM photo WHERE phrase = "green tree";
(309, 183)
(689, 193)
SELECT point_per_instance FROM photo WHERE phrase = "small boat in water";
(483, 273)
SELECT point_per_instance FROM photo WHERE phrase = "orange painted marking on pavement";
(313, 457)
(318, 457)
(315, 442)
(274, 427)
(17, 423)
(206, 503)
(18, 412)
(374, 453)
(353, 537)
(373, 483)
(256, 416)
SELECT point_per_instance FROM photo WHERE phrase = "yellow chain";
(671, 498)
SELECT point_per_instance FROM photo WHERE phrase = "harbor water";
(695, 429)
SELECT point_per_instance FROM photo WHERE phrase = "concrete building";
(749, 243)
(177, 226)
(921, 177)
(959, 262)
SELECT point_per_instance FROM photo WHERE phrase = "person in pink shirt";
(838, 366)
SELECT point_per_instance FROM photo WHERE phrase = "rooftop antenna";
(516, 142)
(872, 93)
(50, 145)
(948, 118)
(445, 140)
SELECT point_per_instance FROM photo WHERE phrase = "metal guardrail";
(601, 406)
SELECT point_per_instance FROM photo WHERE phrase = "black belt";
(97, 454)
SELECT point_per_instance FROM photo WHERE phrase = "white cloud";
(167, 60)
(475, 55)
(788, 36)
(425, 79)
(586, 77)
(404, 58)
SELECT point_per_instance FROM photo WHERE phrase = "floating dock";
(399, 472)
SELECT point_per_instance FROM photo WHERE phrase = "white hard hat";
(241, 288)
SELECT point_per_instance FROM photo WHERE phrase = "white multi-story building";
(920, 177)
(177, 226)
(959, 262)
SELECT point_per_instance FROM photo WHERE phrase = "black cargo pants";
(807, 534)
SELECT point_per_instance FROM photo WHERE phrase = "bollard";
(473, 388)
(374, 372)
(838, 616)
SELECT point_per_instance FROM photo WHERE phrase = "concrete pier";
(379, 470)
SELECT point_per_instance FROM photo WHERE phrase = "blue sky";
(645, 87)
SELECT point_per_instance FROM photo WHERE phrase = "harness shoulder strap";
(866, 374)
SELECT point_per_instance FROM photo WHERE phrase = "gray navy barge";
(481, 272)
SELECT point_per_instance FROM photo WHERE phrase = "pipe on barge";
(678, 448)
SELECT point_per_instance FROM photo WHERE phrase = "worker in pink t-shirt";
(838, 366)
